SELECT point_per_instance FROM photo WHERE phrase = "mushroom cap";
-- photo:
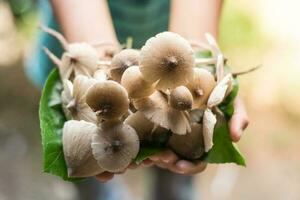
(156, 109)
(67, 97)
(181, 98)
(209, 122)
(108, 99)
(74, 104)
(121, 61)
(218, 93)
(115, 145)
(81, 59)
(191, 145)
(201, 86)
(135, 84)
(77, 138)
(167, 58)
(100, 75)
(146, 130)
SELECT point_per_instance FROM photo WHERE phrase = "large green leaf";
(223, 150)
(52, 120)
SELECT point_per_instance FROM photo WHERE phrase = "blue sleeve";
(38, 65)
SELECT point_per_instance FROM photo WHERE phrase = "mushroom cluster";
(138, 98)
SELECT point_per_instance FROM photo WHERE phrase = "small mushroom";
(156, 109)
(100, 75)
(115, 145)
(167, 58)
(181, 98)
(218, 93)
(135, 84)
(191, 145)
(79, 58)
(73, 99)
(201, 85)
(77, 138)
(121, 61)
(147, 131)
(209, 122)
(108, 99)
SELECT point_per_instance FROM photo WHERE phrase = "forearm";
(193, 18)
(85, 21)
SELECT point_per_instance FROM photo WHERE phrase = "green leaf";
(223, 150)
(227, 107)
(52, 120)
(146, 152)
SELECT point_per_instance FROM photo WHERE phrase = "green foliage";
(52, 120)
(223, 150)
(227, 107)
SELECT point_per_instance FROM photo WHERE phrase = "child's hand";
(106, 176)
(239, 120)
(169, 160)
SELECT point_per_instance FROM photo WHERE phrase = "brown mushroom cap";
(181, 98)
(146, 130)
(167, 58)
(73, 99)
(121, 61)
(191, 145)
(77, 137)
(115, 145)
(80, 59)
(108, 99)
(156, 109)
(201, 86)
(135, 84)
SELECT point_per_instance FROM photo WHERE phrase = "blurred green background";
(252, 33)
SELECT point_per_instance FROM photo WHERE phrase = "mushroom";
(167, 58)
(100, 75)
(115, 145)
(156, 109)
(73, 99)
(135, 84)
(219, 92)
(181, 98)
(201, 85)
(147, 131)
(209, 122)
(108, 99)
(191, 145)
(77, 138)
(121, 61)
(79, 58)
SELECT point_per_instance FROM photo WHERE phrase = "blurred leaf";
(223, 150)
(52, 120)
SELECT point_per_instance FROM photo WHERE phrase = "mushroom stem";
(104, 62)
(52, 57)
(57, 35)
(235, 74)
(205, 61)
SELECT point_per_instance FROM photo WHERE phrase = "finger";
(133, 166)
(105, 176)
(168, 157)
(147, 163)
(239, 120)
(188, 168)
